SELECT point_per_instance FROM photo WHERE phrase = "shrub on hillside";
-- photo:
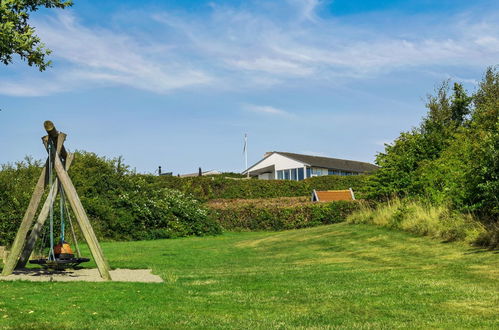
(276, 214)
(420, 219)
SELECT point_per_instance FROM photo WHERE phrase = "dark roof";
(331, 163)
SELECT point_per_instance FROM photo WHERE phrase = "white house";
(289, 166)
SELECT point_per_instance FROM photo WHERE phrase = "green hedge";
(121, 205)
(208, 188)
(270, 216)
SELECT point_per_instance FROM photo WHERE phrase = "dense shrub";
(421, 218)
(208, 188)
(278, 214)
(17, 182)
(121, 205)
(452, 157)
(159, 213)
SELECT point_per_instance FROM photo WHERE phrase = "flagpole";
(246, 154)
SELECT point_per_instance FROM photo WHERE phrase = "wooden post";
(2, 253)
(42, 217)
(26, 223)
(82, 219)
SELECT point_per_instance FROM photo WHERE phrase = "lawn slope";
(339, 275)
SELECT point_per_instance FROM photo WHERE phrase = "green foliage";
(486, 101)
(397, 166)
(208, 188)
(278, 214)
(18, 37)
(159, 213)
(229, 175)
(467, 174)
(452, 157)
(120, 204)
(421, 218)
(17, 182)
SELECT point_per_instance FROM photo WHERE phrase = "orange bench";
(333, 195)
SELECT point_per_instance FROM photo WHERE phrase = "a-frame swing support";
(22, 248)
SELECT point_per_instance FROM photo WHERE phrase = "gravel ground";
(86, 275)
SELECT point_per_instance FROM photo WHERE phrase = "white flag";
(245, 142)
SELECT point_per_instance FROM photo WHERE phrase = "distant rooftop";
(212, 172)
(327, 162)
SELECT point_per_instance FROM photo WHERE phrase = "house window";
(309, 172)
(318, 172)
(295, 174)
(300, 173)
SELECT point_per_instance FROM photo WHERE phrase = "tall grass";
(421, 218)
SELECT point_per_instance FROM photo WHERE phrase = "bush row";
(123, 205)
(219, 187)
(120, 204)
(258, 202)
(276, 215)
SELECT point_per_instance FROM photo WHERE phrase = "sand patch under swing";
(84, 274)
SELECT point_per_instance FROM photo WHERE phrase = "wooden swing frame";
(23, 246)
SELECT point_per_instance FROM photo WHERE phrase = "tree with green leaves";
(401, 161)
(453, 156)
(17, 36)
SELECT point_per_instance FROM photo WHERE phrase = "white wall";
(280, 163)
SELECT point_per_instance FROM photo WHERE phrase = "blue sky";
(178, 83)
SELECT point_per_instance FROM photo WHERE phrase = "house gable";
(277, 161)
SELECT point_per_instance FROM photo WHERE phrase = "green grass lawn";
(341, 275)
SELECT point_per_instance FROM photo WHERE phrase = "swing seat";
(59, 263)
(64, 258)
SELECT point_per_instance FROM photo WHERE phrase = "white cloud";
(85, 57)
(251, 47)
(327, 49)
(267, 110)
(28, 90)
(307, 8)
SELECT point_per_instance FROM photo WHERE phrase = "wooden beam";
(3, 252)
(61, 150)
(42, 217)
(50, 128)
(81, 217)
(26, 223)
(55, 136)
